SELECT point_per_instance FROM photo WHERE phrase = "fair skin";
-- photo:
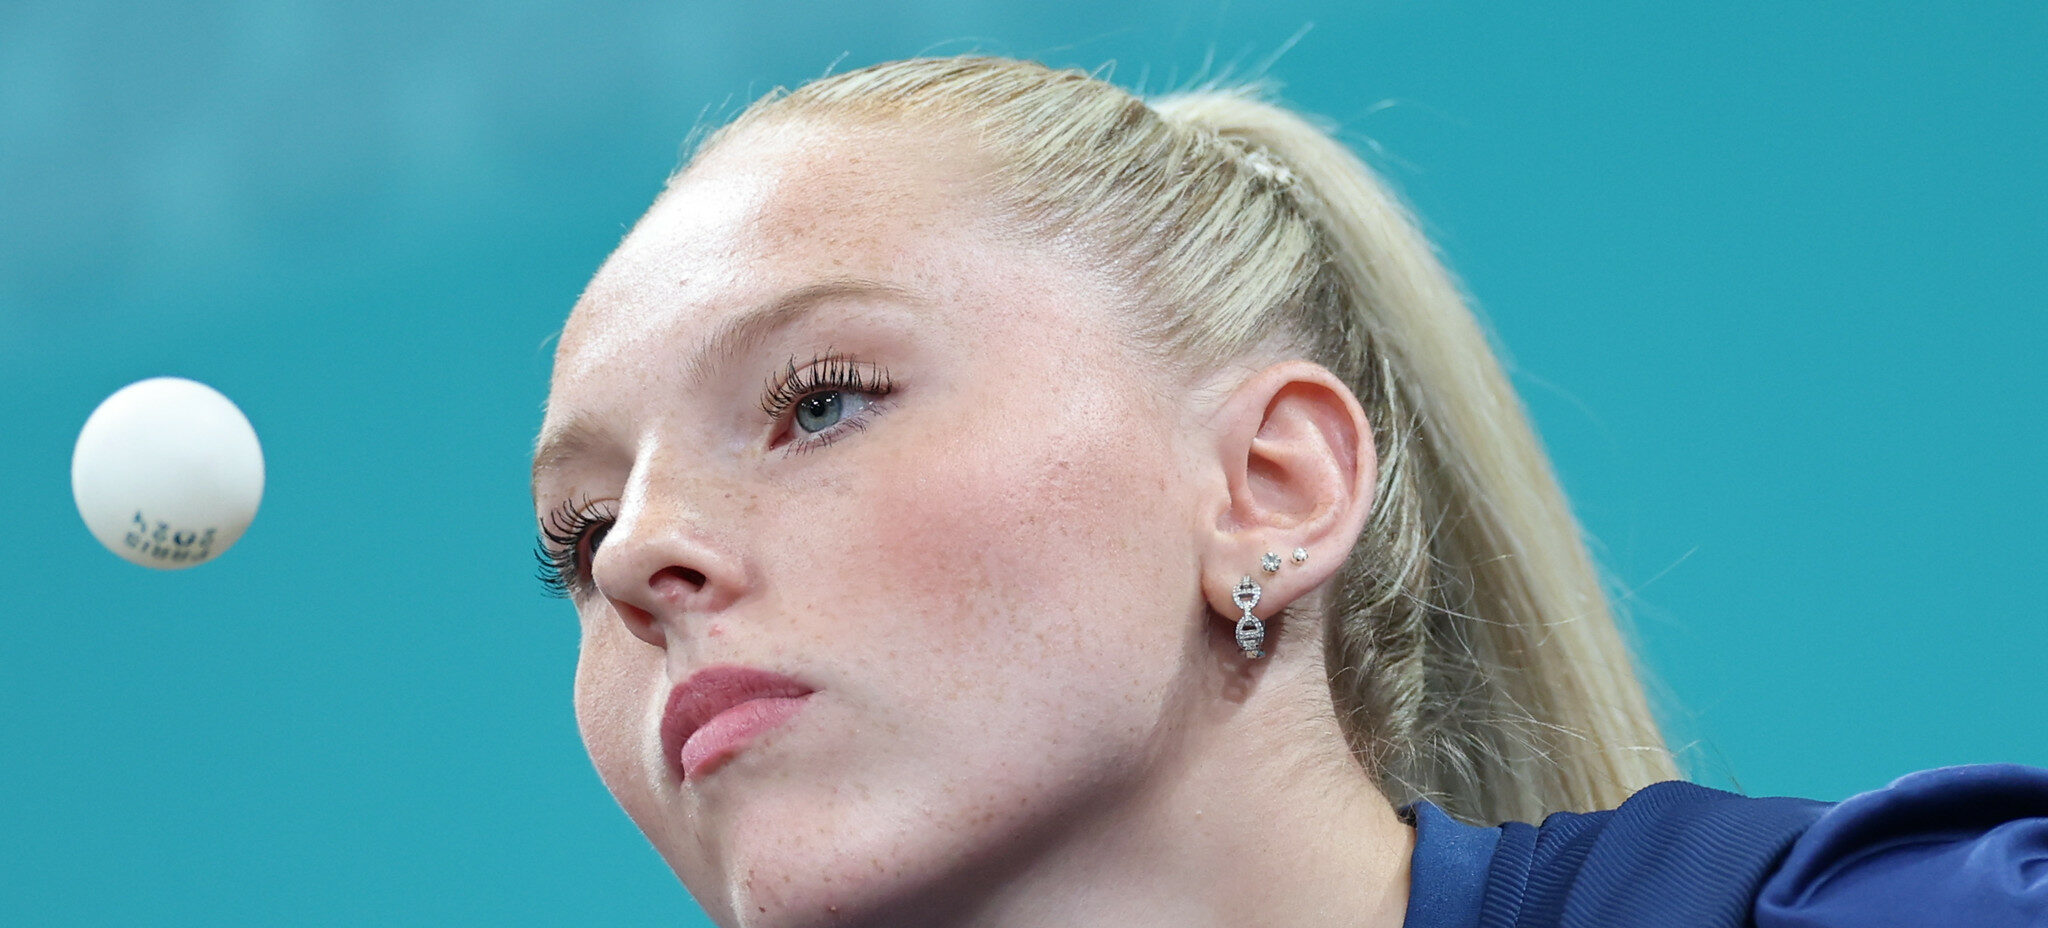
(1008, 580)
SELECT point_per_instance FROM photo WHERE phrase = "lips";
(718, 711)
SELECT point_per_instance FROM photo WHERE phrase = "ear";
(1299, 470)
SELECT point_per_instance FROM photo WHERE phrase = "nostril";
(674, 581)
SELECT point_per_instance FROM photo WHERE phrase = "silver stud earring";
(1271, 563)
(1251, 633)
(1301, 555)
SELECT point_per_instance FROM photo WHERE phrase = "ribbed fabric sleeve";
(1676, 854)
(1965, 846)
(1958, 846)
(1507, 880)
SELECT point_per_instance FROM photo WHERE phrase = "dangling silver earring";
(1251, 633)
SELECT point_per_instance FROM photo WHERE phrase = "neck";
(1252, 812)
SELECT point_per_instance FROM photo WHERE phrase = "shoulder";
(1673, 854)
(1951, 846)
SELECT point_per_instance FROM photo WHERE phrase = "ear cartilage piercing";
(1251, 632)
(1301, 555)
(1271, 563)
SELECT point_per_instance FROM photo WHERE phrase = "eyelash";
(559, 550)
(560, 547)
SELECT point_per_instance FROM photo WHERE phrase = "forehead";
(779, 207)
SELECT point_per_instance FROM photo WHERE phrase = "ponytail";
(1472, 656)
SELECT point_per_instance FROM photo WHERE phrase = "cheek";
(999, 614)
(1059, 521)
(613, 686)
(1037, 577)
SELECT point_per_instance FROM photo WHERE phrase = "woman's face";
(963, 535)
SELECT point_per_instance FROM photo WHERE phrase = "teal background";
(1771, 277)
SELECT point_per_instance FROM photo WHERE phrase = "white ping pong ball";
(167, 473)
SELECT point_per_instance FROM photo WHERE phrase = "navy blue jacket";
(1957, 846)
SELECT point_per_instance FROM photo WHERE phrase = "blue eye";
(830, 395)
(823, 410)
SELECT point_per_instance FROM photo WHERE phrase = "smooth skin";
(1008, 580)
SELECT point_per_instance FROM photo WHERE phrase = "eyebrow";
(579, 433)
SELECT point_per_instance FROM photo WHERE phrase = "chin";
(791, 854)
(785, 869)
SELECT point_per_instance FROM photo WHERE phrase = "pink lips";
(718, 711)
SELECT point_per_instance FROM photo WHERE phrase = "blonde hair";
(1472, 658)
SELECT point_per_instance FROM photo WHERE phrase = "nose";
(659, 567)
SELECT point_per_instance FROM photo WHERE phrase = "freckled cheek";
(611, 694)
(1012, 536)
